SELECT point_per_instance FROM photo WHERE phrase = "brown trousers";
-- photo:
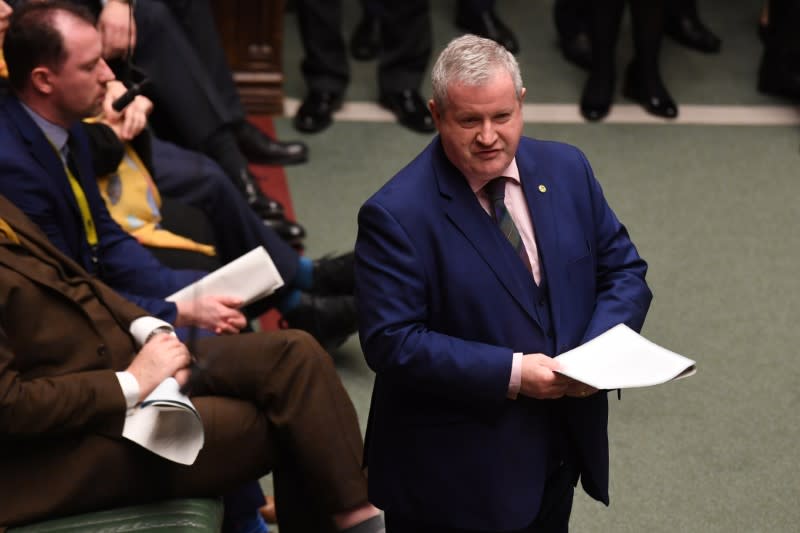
(269, 402)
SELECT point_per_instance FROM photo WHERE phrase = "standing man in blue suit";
(470, 428)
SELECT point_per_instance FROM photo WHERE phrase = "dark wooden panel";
(252, 35)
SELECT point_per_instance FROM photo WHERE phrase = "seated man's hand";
(117, 29)
(161, 357)
(130, 122)
(219, 314)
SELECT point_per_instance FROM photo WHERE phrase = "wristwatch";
(168, 330)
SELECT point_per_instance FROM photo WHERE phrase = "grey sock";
(372, 525)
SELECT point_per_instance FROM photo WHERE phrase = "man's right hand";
(161, 357)
(219, 314)
(539, 380)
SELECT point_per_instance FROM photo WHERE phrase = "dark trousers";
(553, 516)
(196, 180)
(179, 48)
(405, 44)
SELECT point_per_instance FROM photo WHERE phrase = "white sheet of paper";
(167, 424)
(620, 358)
(249, 277)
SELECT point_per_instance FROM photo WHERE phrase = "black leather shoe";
(488, 24)
(258, 147)
(263, 206)
(597, 96)
(329, 319)
(365, 43)
(291, 232)
(316, 112)
(692, 33)
(334, 275)
(779, 75)
(410, 109)
(652, 95)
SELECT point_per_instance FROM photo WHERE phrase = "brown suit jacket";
(57, 363)
(267, 400)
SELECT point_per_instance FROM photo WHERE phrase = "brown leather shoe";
(268, 511)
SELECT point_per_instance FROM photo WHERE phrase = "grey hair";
(471, 60)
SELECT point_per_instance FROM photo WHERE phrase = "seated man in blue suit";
(486, 256)
(40, 131)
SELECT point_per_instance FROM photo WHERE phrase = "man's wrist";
(160, 330)
(130, 388)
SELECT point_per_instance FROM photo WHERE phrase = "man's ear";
(42, 80)
(522, 93)
(434, 112)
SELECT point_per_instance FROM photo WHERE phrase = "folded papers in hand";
(249, 278)
(620, 358)
(167, 424)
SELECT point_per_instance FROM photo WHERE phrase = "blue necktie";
(496, 190)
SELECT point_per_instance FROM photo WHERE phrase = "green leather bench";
(174, 516)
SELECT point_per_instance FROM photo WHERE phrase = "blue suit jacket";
(444, 302)
(32, 177)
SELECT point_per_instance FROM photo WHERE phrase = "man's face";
(79, 86)
(481, 126)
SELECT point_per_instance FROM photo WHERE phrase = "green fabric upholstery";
(174, 516)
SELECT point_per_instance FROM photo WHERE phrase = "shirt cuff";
(515, 381)
(143, 327)
(130, 388)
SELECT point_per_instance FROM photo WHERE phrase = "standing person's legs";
(598, 92)
(643, 76)
(324, 65)
(406, 48)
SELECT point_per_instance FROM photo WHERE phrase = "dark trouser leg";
(598, 92)
(197, 21)
(197, 181)
(553, 517)
(188, 104)
(648, 31)
(784, 20)
(779, 72)
(294, 385)
(407, 42)
(324, 66)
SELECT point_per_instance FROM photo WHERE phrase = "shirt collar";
(55, 134)
(511, 172)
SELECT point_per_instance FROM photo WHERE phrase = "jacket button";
(102, 351)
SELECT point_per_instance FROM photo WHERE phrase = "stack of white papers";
(167, 424)
(250, 278)
(620, 358)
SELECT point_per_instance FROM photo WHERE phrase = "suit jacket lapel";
(462, 207)
(539, 187)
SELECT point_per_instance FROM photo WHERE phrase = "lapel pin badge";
(542, 188)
